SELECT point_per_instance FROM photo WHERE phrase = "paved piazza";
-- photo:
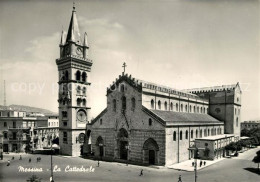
(228, 170)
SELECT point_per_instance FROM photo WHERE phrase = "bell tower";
(74, 69)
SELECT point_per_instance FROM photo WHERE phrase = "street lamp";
(127, 148)
(54, 146)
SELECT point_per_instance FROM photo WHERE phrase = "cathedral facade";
(147, 123)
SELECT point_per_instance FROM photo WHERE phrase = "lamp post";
(196, 155)
(53, 146)
(127, 148)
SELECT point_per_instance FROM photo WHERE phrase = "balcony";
(18, 139)
(19, 128)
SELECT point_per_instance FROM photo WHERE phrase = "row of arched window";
(81, 102)
(237, 111)
(180, 108)
(81, 92)
(81, 76)
(198, 134)
(124, 104)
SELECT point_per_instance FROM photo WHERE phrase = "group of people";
(38, 159)
(201, 163)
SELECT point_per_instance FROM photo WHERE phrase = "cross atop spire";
(124, 66)
(73, 6)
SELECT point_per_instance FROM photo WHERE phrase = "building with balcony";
(250, 124)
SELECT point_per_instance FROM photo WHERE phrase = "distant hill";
(29, 109)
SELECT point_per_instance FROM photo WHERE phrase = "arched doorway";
(150, 151)
(100, 146)
(123, 144)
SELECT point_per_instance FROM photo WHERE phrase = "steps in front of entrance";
(123, 162)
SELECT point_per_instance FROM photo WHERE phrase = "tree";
(34, 178)
(256, 159)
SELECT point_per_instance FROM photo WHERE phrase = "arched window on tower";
(165, 105)
(84, 102)
(78, 75)
(152, 104)
(174, 136)
(84, 77)
(78, 101)
(177, 107)
(78, 90)
(114, 105)
(186, 134)
(171, 106)
(66, 75)
(84, 91)
(159, 104)
(237, 122)
(133, 103)
(123, 103)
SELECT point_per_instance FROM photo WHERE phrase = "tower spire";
(73, 31)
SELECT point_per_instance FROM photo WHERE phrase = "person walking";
(141, 172)
(30, 160)
(8, 163)
(20, 157)
(204, 163)
(179, 180)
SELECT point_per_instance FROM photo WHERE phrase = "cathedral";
(143, 122)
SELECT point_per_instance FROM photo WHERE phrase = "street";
(228, 170)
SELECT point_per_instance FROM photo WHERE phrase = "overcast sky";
(178, 43)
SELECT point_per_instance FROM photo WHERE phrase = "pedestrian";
(37, 159)
(98, 163)
(141, 172)
(192, 164)
(200, 163)
(179, 179)
(204, 163)
(30, 160)
(8, 163)
(20, 157)
(13, 158)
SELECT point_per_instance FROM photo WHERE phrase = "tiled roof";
(182, 117)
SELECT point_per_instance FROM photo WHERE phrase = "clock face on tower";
(79, 51)
(81, 115)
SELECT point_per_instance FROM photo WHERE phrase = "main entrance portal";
(123, 149)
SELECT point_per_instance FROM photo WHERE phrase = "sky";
(179, 43)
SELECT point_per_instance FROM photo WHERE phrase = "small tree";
(34, 178)
(256, 159)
